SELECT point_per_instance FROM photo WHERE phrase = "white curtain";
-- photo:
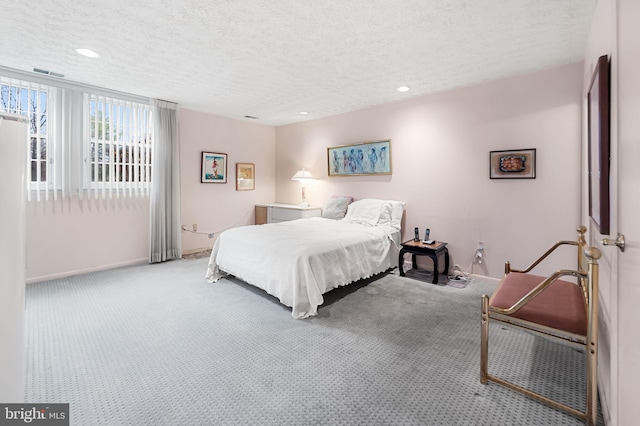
(164, 232)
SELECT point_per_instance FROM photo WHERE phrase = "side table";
(418, 248)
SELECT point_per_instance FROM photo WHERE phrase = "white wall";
(13, 149)
(215, 207)
(440, 160)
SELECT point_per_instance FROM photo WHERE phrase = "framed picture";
(245, 176)
(512, 164)
(214, 167)
(598, 116)
(361, 159)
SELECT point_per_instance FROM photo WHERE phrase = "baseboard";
(604, 402)
(86, 270)
(407, 264)
(196, 250)
(485, 278)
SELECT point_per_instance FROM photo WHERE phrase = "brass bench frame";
(587, 279)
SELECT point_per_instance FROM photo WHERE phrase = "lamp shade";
(302, 175)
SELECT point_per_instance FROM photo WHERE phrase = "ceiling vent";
(50, 73)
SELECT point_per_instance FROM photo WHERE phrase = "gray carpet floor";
(158, 345)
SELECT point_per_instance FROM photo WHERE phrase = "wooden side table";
(418, 248)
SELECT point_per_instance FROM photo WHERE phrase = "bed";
(300, 260)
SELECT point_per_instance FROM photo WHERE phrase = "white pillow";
(393, 216)
(385, 214)
(365, 211)
(337, 206)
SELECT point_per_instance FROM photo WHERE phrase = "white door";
(628, 213)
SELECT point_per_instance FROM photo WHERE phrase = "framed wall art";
(245, 176)
(361, 159)
(214, 167)
(512, 164)
(599, 149)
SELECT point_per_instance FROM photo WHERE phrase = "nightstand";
(418, 248)
(273, 213)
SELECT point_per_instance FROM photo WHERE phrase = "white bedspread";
(300, 260)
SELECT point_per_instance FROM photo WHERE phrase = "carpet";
(158, 345)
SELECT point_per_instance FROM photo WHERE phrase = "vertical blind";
(31, 100)
(81, 142)
(119, 157)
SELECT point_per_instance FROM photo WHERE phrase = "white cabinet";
(273, 213)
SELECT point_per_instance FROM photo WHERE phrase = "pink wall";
(440, 154)
(76, 236)
(216, 207)
(440, 169)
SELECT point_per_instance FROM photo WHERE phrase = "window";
(81, 142)
(31, 100)
(119, 145)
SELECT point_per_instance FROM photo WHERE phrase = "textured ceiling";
(274, 58)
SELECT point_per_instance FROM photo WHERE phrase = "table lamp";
(304, 177)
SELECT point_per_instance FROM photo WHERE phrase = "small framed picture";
(512, 164)
(245, 176)
(214, 167)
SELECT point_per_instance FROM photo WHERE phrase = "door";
(628, 213)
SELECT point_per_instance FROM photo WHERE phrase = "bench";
(553, 307)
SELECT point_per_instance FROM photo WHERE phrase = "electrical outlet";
(195, 227)
(480, 245)
(478, 257)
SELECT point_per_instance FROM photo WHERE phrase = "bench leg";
(592, 387)
(484, 340)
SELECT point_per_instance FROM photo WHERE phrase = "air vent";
(50, 73)
(251, 117)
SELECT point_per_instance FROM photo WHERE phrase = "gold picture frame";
(360, 159)
(245, 176)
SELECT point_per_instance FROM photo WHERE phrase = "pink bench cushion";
(559, 306)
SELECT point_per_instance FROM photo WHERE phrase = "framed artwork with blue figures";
(214, 167)
(360, 159)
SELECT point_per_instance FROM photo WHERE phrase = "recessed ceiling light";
(88, 53)
(304, 113)
(402, 89)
